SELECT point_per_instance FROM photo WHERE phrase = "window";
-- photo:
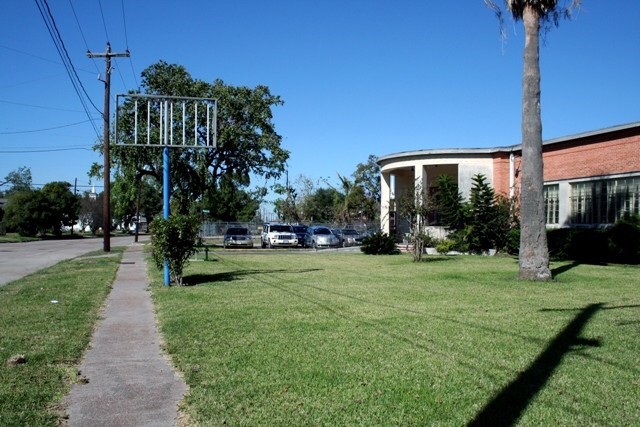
(605, 201)
(552, 203)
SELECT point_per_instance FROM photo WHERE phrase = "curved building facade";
(591, 179)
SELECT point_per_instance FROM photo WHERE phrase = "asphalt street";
(20, 259)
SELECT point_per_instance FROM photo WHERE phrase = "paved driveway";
(20, 259)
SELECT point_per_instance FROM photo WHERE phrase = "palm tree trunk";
(534, 254)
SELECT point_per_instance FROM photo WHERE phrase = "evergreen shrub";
(379, 244)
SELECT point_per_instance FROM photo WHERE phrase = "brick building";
(591, 179)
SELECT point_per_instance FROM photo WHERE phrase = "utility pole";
(106, 195)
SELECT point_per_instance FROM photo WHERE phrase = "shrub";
(174, 240)
(619, 244)
(445, 245)
(379, 244)
(624, 241)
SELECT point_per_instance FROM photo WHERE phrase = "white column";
(385, 198)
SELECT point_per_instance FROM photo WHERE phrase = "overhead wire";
(44, 150)
(64, 49)
(104, 23)
(59, 45)
(44, 107)
(44, 129)
(126, 39)
(82, 34)
(41, 58)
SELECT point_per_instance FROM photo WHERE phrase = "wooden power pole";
(106, 195)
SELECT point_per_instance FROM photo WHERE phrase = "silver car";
(321, 237)
(349, 237)
(237, 237)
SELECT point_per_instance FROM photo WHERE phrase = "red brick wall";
(501, 173)
(592, 157)
(606, 154)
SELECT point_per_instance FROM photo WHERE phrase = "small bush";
(445, 245)
(174, 240)
(624, 241)
(618, 244)
(379, 244)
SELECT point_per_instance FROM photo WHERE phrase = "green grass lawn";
(277, 338)
(48, 317)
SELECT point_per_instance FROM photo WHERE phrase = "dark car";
(237, 237)
(300, 231)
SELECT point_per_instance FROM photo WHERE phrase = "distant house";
(590, 179)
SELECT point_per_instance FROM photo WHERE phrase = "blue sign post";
(168, 122)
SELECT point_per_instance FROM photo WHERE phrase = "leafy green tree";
(29, 213)
(142, 197)
(91, 212)
(483, 214)
(174, 240)
(19, 180)
(321, 205)
(247, 143)
(534, 252)
(286, 207)
(415, 207)
(449, 204)
(367, 176)
(231, 203)
(351, 202)
(64, 205)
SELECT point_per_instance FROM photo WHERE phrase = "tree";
(91, 212)
(320, 206)
(247, 144)
(483, 215)
(449, 203)
(19, 180)
(131, 199)
(534, 253)
(415, 207)
(28, 212)
(174, 241)
(64, 205)
(367, 176)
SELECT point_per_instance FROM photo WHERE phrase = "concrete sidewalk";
(129, 381)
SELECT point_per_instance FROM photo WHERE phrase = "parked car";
(348, 237)
(321, 237)
(278, 234)
(237, 237)
(301, 231)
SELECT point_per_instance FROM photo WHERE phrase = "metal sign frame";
(173, 121)
(167, 128)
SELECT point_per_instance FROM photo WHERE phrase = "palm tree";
(534, 253)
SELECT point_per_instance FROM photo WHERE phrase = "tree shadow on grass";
(430, 259)
(561, 269)
(230, 276)
(509, 404)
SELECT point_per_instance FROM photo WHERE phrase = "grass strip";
(276, 338)
(48, 317)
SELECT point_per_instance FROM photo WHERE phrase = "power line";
(82, 33)
(59, 45)
(64, 49)
(44, 129)
(49, 150)
(43, 107)
(104, 23)
(40, 57)
(126, 39)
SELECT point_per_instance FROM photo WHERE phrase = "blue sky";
(358, 77)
